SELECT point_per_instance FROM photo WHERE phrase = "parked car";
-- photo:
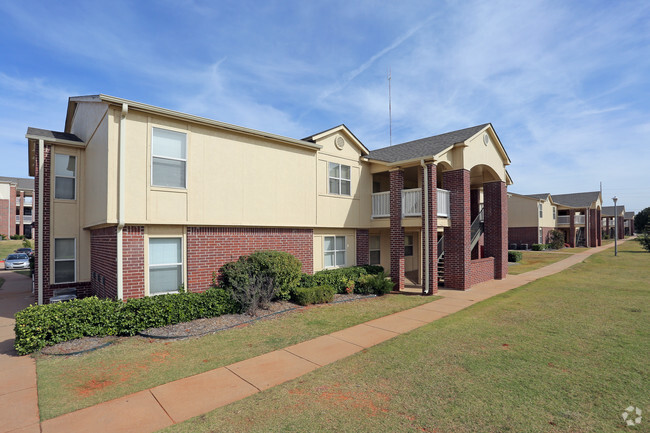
(27, 251)
(17, 261)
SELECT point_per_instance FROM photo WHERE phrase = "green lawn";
(9, 246)
(66, 384)
(531, 260)
(567, 353)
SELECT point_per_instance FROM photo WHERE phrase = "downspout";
(425, 181)
(120, 202)
(41, 156)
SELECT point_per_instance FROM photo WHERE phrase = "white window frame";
(73, 260)
(340, 179)
(541, 210)
(377, 250)
(184, 160)
(162, 265)
(554, 213)
(334, 251)
(541, 236)
(408, 245)
(56, 176)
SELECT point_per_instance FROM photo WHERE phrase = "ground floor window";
(408, 245)
(375, 250)
(64, 260)
(165, 265)
(334, 251)
(541, 236)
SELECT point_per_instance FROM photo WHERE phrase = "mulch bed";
(195, 328)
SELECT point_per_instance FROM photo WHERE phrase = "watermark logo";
(632, 416)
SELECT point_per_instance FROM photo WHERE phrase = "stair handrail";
(476, 229)
(441, 246)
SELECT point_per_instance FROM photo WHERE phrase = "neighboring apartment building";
(135, 200)
(16, 196)
(613, 218)
(628, 223)
(532, 217)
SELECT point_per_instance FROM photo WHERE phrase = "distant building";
(16, 200)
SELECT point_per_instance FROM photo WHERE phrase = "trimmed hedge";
(377, 284)
(539, 247)
(45, 325)
(312, 295)
(514, 256)
(354, 279)
(280, 267)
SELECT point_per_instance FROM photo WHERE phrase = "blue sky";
(565, 84)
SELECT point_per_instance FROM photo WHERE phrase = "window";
(554, 212)
(65, 170)
(64, 260)
(168, 158)
(375, 246)
(165, 265)
(339, 179)
(541, 211)
(541, 236)
(408, 245)
(334, 251)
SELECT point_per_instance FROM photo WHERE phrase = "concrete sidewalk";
(174, 402)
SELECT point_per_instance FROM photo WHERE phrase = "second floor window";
(168, 158)
(65, 173)
(554, 212)
(339, 179)
(541, 211)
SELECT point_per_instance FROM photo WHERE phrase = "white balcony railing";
(565, 220)
(27, 219)
(27, 201)
(411, 203)
(579, 219)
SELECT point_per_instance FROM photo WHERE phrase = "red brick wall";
(593, 226)
(621, 227)
(396, 230)
(522, 235)
(45, 266)
(363, 247)
(457, 237)
(481, 270)
(12, 210)
(496, 226)
(103, 265)
(432, 210)
(133, 266)
(21, 210)
(209, 248)
(4, 218)
(572, 229)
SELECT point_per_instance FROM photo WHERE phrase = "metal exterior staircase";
(477, 229)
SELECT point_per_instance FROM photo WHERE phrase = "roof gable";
(339, 129)
(578, 199)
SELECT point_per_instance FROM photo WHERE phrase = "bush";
(3, 237)
(281, 268)
(556, 238)
(373, 269)
(514, 256)
(644, 240)
(539, 247)
(343, 280)
(256, 292)
(312, 295)
(373, 284)
(39, 326)
(27, 243)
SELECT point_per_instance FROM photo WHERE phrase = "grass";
(9, 246)
(566, 353)
(532, 260)
(69, 383)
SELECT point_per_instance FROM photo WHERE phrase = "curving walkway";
(174, 402)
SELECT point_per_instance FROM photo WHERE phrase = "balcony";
(565, 220)
(411, 203)
(27, 201)
(27, 219)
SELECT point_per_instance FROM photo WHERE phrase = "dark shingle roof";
(578, 199)
(543, 196)
(22, 184)
(425, 146)
(629, 215)
(45, 133)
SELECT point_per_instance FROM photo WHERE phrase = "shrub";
(254, 293)
(340, 279)
(17, 237)
(26, 243)
(539, 247)
(3, 237)
(39, 326)
(312, 295)
(373, 284)
(644, 240)
(514, 256)
(281, 268)
(373, 269)
(556, 238)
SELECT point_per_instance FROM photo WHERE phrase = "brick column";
(21, 231)
(396, 229)
(432, 211)
(599, 230)
(593, 235)
(45, 266)
(572, 228)
(363, 248)
(587, 230)
(621, 229)
(632, 227)
(496, 226)
(12, 210)
(457, 236)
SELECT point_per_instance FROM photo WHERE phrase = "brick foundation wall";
(522, 235)
(363, 247)
(396, 230)
(481, 270)
(103, 265)
(133, 266)
(431, 180)
(496, 226)
(457, 237)
(209, 248)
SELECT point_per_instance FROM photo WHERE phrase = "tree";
(641, 220)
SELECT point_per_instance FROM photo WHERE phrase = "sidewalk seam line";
(251, 384)
(302, 357)
(161, 406)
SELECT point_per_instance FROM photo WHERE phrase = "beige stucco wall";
(522, 212)
(547, 219)
(350, 246)
(478, 153)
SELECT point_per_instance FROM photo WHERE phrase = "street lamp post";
(615, 226)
